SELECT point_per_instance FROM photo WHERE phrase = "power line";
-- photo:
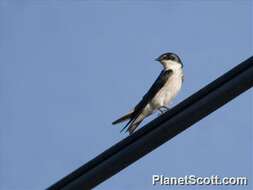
(161, 129)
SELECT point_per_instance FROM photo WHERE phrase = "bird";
(159, 96)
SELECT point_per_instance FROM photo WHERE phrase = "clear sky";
(69, 68)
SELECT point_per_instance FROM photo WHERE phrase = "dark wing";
(158, 84)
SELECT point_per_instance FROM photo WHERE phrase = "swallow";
(160, 94)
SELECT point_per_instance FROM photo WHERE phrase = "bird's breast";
(168, 91)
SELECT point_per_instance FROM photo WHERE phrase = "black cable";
(161, 129)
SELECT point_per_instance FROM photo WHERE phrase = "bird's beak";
(157, 59)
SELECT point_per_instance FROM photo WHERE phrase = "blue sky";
(69, 68)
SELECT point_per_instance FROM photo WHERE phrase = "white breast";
(169, 91)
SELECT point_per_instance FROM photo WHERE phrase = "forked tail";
(123, 118)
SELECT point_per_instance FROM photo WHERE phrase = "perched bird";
(164, 89)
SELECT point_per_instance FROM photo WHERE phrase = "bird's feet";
(163, 109)
(166, 108)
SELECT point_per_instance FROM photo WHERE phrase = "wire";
(161, 129)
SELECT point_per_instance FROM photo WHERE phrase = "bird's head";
(170, 60)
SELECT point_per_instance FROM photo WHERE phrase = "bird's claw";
(163, 111)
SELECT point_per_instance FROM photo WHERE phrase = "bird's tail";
(133, 126)
(123, 118)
